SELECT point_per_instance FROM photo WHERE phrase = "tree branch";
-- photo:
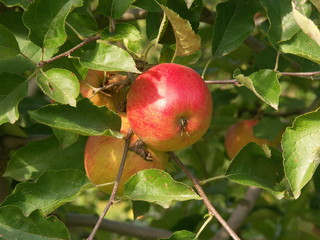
(240, 213)
(123, 228)
(67, 53)
(115, 187)
(204, 197)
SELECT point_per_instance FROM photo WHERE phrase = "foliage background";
(270, 47)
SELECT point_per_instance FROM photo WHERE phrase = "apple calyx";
(183, 126)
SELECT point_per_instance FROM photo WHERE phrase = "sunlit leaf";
(46, 21)
(306, 24)
(127, 33)
(301, 45)
(301, 150)
(233, 24)
(31, 160)
(13, 88)
(59, 84)
(51, 190)
(187, 41)
(282, 23)
(14, 225)
(264, 84)
(86, 119)
(157, 186)
(107, 57)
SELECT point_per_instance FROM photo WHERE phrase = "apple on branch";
(103, 156)
(169, 107)
(104, 89)
(240, 134)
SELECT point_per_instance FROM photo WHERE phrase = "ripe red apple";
(169, 107)
(103, 155)
(112, 98)
(240, 134)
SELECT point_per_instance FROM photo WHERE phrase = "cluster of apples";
(168, 107)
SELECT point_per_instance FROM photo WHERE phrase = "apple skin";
(113, 99)
(161, 99)
(240, 134)
(103, 156)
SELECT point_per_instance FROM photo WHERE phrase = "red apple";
(169, 107)
(103, 156)
(240, 134)
(112, 98)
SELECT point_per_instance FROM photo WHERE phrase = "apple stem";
(115, 187)
(140, 148)
(206, 201)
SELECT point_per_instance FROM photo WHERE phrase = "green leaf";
(65, 138)
(51, 190)
(140, 208)
(83, 23)
(13, 88)
(181, 235)
(16, 3)
(114, 8)
(9, 47)
(14, 225)
(252, 166)
(233, 24)
(306, 24)
(71, 64)
(167, 53)
(12, 130)
(264, 84)
(187, 41)
(86, 119)
(20, 64)
(31, 160)
(268, 128)
(157, 186)
(316, 3)
(61, 85)
(107, 57)
(301, 150)
(46, 21)
(301, 45)
(127, 33)
(282, 23)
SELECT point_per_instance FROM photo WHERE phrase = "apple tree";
(66, 71)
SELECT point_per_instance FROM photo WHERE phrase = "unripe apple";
(103, 156)
(169, 107)
(240, 134)
(113, 98)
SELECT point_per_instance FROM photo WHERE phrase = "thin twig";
(123, 228)
(301, 74)
(204, 197)
(241, 212)
(115, 187)
(67, 53)
(231, 81)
